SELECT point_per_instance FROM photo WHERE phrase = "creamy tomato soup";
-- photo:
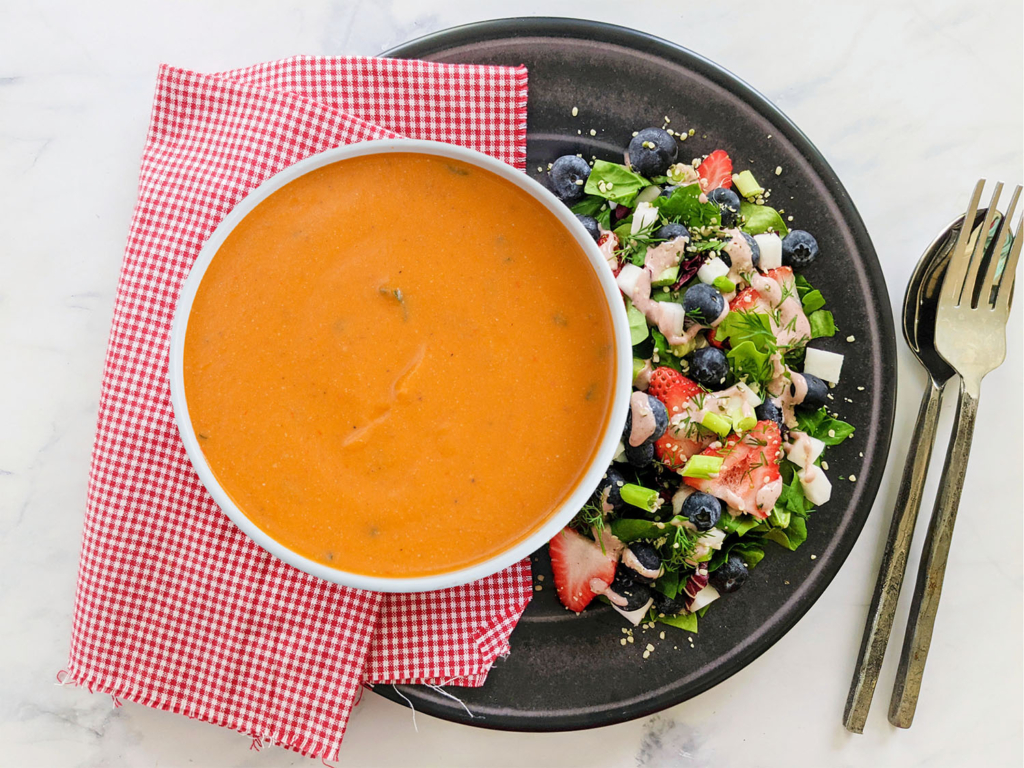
(399, 365)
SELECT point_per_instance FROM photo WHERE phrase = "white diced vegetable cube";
(825, 365)
(627, 279)
(771, 250)
(749, 395)
(805, 450)
(620, 452)
(706, 596)
(636, 616)
(711, 269)
(818, 489)
(644, 216)
(673, 316)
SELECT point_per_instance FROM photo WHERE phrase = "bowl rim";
(602, 458)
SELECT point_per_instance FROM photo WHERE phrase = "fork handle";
(930, 573)
(894, 561)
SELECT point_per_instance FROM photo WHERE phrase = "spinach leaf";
(630, 529)
(588, 206)
(819, 424)
(687, 621)
(812, 300)
(614, 182)
(790, 537)
(750, 551)
(684, 205)
(738, 525)
(637, 324)
(760, 218)
(701, 611)
(668, 584)
(802, 286)
(665, 357)
(822, 323)
(753, 344)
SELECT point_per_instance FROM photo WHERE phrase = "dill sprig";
(678, 546)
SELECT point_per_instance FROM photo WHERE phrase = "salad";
(722, 453)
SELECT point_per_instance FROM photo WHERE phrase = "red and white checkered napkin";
(176, 608)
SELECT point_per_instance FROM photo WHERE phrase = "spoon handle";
(932, 569)
(894, 562)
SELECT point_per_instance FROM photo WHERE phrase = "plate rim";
(648, 44)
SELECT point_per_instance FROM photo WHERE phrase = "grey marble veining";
(876, 85)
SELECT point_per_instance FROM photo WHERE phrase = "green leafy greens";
(758, 219)
(614, 182)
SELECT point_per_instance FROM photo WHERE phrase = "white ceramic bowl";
(585, 487)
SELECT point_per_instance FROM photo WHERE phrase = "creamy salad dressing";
(801, 448)
(643, 419)
(630, 561)
(643, 378)
(741, 256)
(666, 255)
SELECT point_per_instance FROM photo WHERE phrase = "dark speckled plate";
(567, 671)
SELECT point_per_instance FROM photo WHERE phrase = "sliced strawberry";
(662, 380)
(678, 444)
(749, 480)
(582, 569)
(715, 171)
(681, 440)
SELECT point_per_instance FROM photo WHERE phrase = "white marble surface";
(876, 84)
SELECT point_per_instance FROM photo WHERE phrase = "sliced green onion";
(746, 184)
(743, 423)
(638, 496)
(724, 284)
(720, 425)
(702, 466)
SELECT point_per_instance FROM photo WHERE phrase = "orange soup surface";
(399, 365)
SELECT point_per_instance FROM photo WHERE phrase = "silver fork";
(970, 333)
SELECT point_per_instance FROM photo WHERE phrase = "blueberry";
(660, 421)
(730, 575)
(641, 456)
(670, 232)
(703, 303)
(817, 392)
(769, 411)
(728, 203)
(608, 491)
(666, 606)
(709, 367)
(702, 509)
(624, 588)
(590, 224)
(569, 174)
(667, 191)
(799, 248)
(652, 151)
(641, 556)
(660, 417)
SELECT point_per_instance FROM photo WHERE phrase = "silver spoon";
(919, 309)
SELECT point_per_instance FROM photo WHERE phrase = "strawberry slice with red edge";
(749, 480)
(681, 440)
(715, 171)
(582, 568)
(662, 380)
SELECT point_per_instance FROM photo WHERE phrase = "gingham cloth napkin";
(175, 607)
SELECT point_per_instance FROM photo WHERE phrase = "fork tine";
(988, 286)
(953, 282)
(1005, 291)
(978, 253)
